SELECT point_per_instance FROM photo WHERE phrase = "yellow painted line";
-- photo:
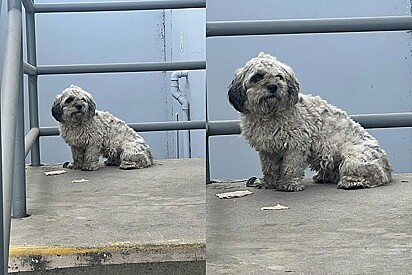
(16, 251)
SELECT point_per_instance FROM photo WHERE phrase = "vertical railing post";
(32, 83)
(19, 184)
(2, 248)
(9, 97)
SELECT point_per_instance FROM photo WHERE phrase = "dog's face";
(263, 86)
(73, 105)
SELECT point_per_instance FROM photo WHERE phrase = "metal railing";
(14, 146)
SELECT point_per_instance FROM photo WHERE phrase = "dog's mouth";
(270, 96)
(77, 113)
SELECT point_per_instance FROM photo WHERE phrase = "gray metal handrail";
(301, 26)
(120, 67)
(10, 91)
(119, 6)
(368, 121)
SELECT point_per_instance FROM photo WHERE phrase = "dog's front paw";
(291, 186)
(90, 168)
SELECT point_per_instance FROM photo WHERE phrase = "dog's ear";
(92, 107)
(237, 94)
(293, 90)
(57, 110)
(293, 85)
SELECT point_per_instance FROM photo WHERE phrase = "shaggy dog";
(92, 133)
(291, 131)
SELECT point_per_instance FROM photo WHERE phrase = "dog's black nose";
(79, 106)
(272, 88)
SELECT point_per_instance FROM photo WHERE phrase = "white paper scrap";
(235, 194)
(277, 207)
(80, 181)
(56, 172)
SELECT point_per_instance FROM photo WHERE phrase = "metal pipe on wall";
(32, 81)
(318, 25)
(121, 67)
(9, 97)
(119, 6)
(179, 96)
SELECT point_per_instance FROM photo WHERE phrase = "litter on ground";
(277, 207)
(54, 173)
(235, 194)
(80, 181)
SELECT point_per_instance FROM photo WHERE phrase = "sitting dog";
(91, 133)
(291, 131)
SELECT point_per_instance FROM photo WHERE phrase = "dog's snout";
(79, 106)
(272, 88)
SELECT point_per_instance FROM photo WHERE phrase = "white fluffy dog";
(291, 131)
(91, 133)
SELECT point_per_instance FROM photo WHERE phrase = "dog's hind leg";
(327, 171)
(364, 167)
(324, 176)
(135, 157)
(112, 158)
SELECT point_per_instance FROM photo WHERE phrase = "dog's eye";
(280, 77)
(257, 77)
(83, 99)
(67, 101)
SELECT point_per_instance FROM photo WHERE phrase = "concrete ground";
(325, 230)
(148, 221)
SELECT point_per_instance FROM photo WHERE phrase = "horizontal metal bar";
(121, 67)
(30, 138)
(28, 6)
(145, 127)
(319, 25)
(29, 69)
(119, 6)
(169, 126)
(231, 127)
(388, 120)
(223, 127)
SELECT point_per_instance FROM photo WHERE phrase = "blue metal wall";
(359, 72)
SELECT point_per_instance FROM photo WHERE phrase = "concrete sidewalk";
(150, 221)
(325, 230)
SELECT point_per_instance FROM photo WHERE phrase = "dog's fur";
(291, 131)
(91, 133)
